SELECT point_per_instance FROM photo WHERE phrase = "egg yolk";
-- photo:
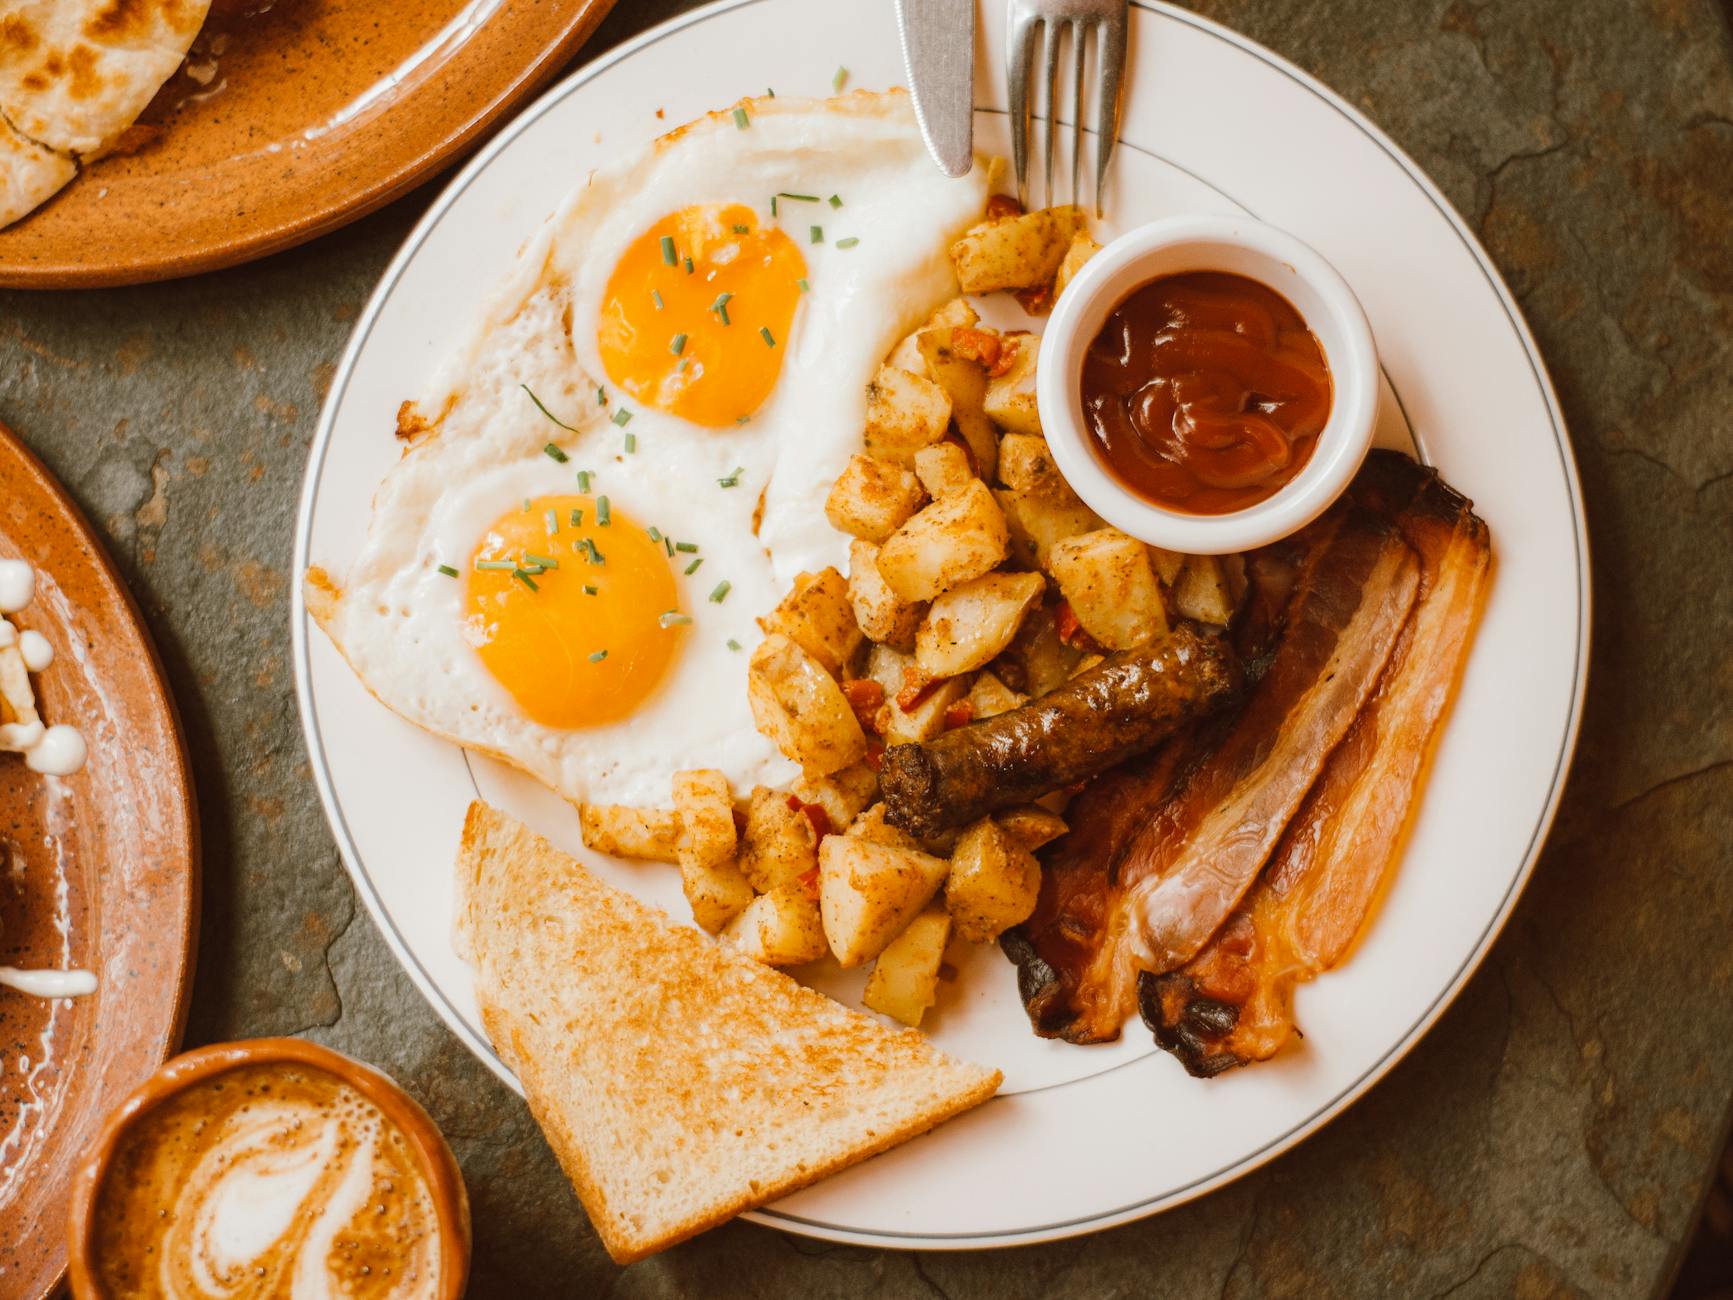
(697, 313)
(578, 620)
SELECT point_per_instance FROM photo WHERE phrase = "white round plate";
(1082, 1137)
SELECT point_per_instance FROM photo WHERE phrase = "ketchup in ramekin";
(1205, 392)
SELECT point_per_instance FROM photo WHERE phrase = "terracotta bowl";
(450, 1201)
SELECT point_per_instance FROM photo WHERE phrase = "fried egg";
(628, 463)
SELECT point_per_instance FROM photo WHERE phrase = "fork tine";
(1110, 47)
(1021, 48)
(1079, 37)
(1053, 32)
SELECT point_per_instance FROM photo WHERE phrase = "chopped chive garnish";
(525, 578)
(804, 286)
(850, 242)
(555, 453)
(720, 592)
(526, 505)
(544, 410)
(817, 236)
(720, 306)
(693, 567)
(765, 334)
(668, 255)
(631, 444)
(603, 516)
(494, 566)
(674, 618)
(656, 297)
(622, 417)
(598, 656)
(546, 561)
(577, 517)
(799, 198)
(689, 267)
(655, 533)
(677, 344)
(741, 419)
(773, 205)
(743, 230)
(450, 572)
(589, 590)
(770, 92)
(680, 366)
(669, 543)
(583, 480)
(733, 644)
(595, 556)
(601, 397)
(552, 520)
(691, 548)
(733, 480)
(835, 200)
(840, 80)
(741, 120)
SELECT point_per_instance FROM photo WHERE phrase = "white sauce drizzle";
(48, 983)
(17, 585)
(54, 751)
(34, 647)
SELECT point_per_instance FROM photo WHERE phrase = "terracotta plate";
(288, 119)
(99, 871)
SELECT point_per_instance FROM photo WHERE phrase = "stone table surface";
(1550, 1137)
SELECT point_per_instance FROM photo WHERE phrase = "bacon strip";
(1232, 1003)
(1164, 852)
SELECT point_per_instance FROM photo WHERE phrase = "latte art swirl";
(267, 1181)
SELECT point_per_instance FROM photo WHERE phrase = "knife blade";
(939, 53)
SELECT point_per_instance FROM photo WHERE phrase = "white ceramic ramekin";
(1241, 246)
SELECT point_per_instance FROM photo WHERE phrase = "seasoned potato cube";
(842, 794)
(993, 884)
(947, 543)
(989, 697)
(780, 928)
(706, 812)
(878, 611)
(649, 833)
(1234, 574)
(1031, 825)
(891, 668)
(905, 979)
(1036, 523)
(801, 709)
(871, 825)
(1037, 661)
(780, 845)
(925, 716)
(1026, 464)
(718, 893)
(872, 498)
(907, 356)
(943, 468)
(1010, 398)
(869, 891)
(1107, 577)
(1202, 591)
(1082, 248)
(964, 380)
(1020, 252)
(957, 312)
(1086, 663)
(968, 625)
(904, 413)
(817, 617)
(1167, 564)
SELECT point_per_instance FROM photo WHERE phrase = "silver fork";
(1108, 19)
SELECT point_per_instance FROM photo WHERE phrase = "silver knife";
(939, 52)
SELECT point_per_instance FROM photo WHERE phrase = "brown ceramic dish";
(107, 857)
(288, 119)
(451, 1202)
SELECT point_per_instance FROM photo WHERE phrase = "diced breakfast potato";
(964, 379)
(904, 413)
(652, 834)
(871, 499)
(1202, 591)
(1036, 523)
(1010, 398)
(1019, 252)
(717, 893)
(969, 625)
(943, 468)
(871, 825)
(1082, 248)
(706, 812)
(869, 891)
(952, 540)
(780, 928)
(907, 356)
(817, 617)
(1040, 659)
(1026, 464)
(1031, 825)
(1088, 663)
(801, 709)
(1167, 564)
(989, 697)
(994, 882)
(924, 716)
(905, 979)
(878, 611)
(1107, 578)
(842, 794)
(956, 312)
(1234, 574)
(781, 844)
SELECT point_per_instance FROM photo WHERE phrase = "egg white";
(399, 621)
